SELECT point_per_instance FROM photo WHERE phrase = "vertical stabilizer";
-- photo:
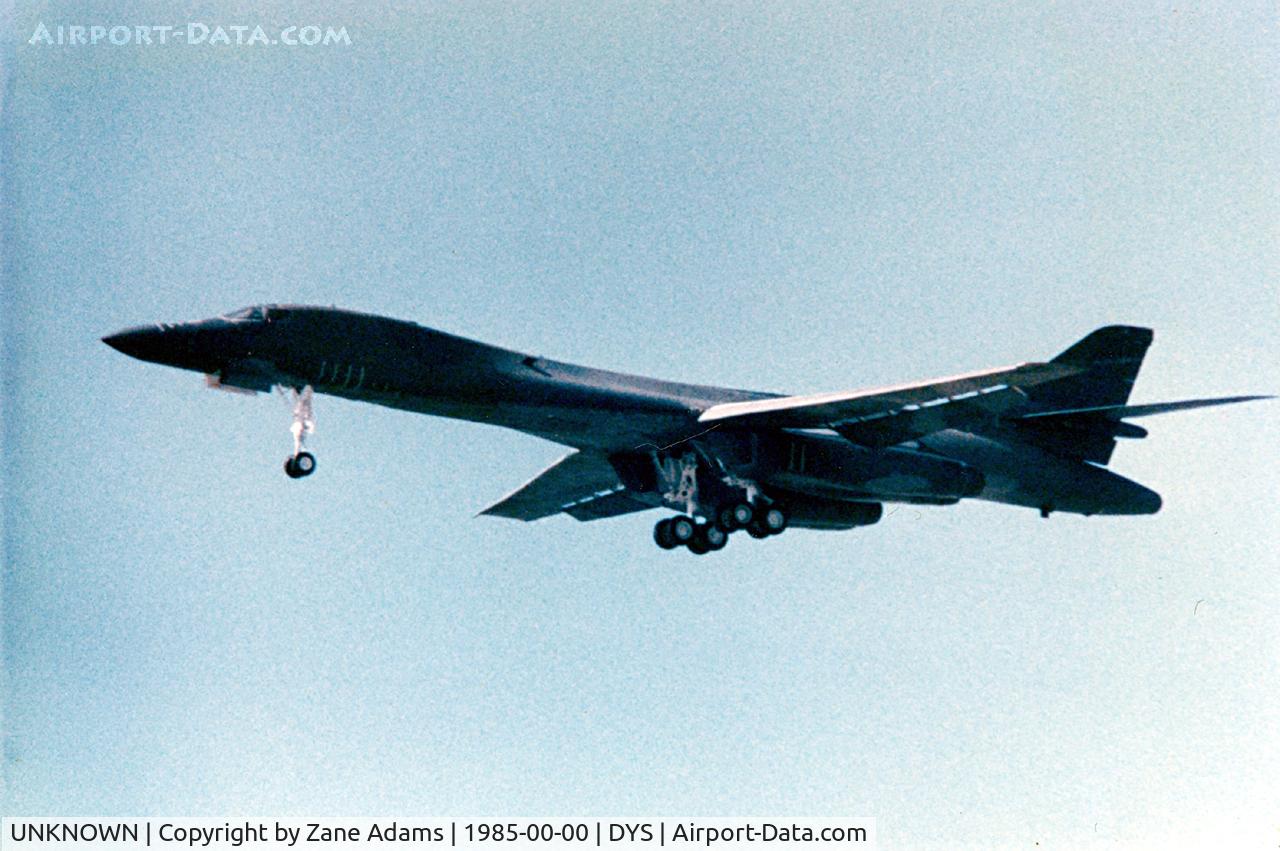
(1110, 358)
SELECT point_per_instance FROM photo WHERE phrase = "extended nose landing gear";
(301, 463)
(704, 537)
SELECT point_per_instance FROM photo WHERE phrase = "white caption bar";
(553, 834)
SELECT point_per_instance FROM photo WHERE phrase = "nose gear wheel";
(301, 463)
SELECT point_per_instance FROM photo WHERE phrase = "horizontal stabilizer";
(1119, 412)
(1090, 433)
(888, 415)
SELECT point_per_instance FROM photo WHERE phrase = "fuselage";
(403, 365)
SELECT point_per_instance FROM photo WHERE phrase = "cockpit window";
(247, 314)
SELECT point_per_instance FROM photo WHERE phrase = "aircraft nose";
(145, 343)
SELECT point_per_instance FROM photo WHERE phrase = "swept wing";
(583, 485)
(888, 415)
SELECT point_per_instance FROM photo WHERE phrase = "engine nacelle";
(810, 513)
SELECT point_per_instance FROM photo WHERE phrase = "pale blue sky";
(795, 198)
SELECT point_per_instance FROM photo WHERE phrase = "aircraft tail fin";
(1110, 359)
(1081, 416)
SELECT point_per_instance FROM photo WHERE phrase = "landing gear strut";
(714, 503)
(301, 463)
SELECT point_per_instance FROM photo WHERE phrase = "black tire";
(713, 537)
(290, 470)
(683, 529)
(733, 516)
(724, 519)
(304, 463)
(756, 529)
(774, 519)
(698, 547)
(662, 535)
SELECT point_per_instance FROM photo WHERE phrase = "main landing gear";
(684, 531)
(701, 537)
(301, 464)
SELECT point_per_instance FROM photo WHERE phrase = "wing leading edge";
(884, 416)
(583, 485)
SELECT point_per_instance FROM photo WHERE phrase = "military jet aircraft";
(1034, 434)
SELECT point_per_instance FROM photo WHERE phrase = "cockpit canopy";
(257, 313)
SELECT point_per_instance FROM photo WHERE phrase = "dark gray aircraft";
(1035, 434)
